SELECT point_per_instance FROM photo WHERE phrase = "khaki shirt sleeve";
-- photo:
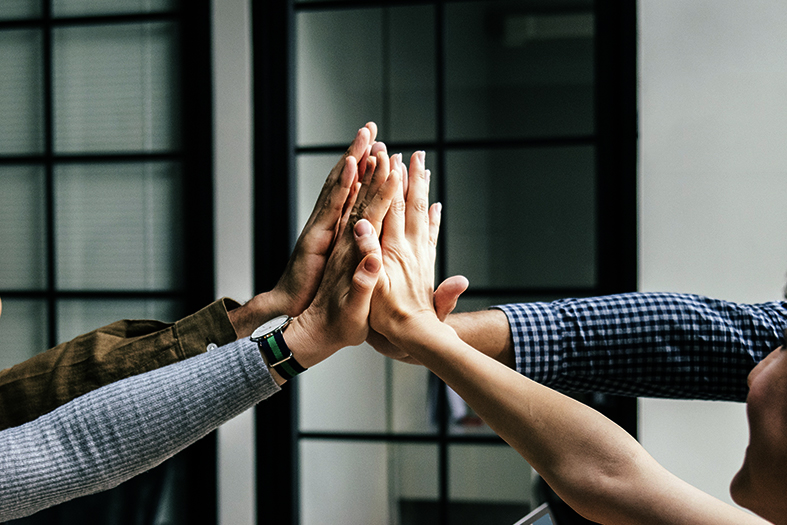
(119, 350)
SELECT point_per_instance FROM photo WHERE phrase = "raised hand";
(298, 284)
(338, 315)
(405, 290)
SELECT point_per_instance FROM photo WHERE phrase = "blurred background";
(152, 152)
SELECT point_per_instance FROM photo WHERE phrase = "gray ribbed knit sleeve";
(109, 435)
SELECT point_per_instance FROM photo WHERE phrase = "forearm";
(594, 465)
(114, 433)
(651, 344)
(119, 350)
(487, 331)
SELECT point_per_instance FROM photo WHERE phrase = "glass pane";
(21, 92)
(511, 72)
(23, 331)
(79, 316)
(115, 88)
(521, 217)
(107, 7)
(488, 484)
(119, 226)
(339, 76)
(411, 81)
(343, 483)
(18, 9)
(413, 407)
(369, 483)
(346, 393)
(22, 228)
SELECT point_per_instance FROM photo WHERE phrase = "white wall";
(232, 108)
(713, 181)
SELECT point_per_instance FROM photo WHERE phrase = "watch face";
(270, 327)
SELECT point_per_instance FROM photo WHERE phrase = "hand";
(339, 314)
(298, 284)
(445, 298)
(404, 293)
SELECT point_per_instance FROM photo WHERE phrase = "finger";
(348, 208)
(372, 127)
(447, 295)
(329, 215)
(394, 221)
(378, 207)
(435, 217)
(372, 180)
(417, 209)
(367, 271)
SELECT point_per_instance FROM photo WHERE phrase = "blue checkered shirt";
(645, 344)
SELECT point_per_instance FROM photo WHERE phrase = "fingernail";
(428, 176)
(372, 265)
(422, 158)
(362, 228)
(439, 208)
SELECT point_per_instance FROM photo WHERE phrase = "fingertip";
(372, 264)
(363, 228)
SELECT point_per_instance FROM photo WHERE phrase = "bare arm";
(593, 464)
(486, 331)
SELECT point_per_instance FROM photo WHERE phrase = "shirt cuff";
(208, 328)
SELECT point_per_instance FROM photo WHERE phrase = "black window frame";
(615, 139)
(195, 157)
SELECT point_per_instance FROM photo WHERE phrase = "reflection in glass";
(338, 75)
(346, 393)
(21, 92)
(513, 72)
(79, 316)
(370, 483)
(410, 88)
(19, 9)
(114, 88)
(521, 218)
(490, 481)
(22, 330)
(118, 226)
(109, 7)
(22, 228)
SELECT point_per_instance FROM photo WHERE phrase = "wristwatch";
(269, 337)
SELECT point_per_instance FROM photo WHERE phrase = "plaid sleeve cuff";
(537, 332)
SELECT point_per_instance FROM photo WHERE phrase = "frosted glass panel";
(412, 78)
(522, 217)
(23, 330)
(105, 7)
(345, 393)
(413, 410)
(118, 226)
(344, 483)
(513, 73)
(115, 87)
(339, 75)
(76, 317)
(21, 119)
(22, 228)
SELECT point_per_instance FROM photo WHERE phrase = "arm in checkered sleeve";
(638, 344)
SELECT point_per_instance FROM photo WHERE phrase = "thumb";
(447, 294)
(367, 271)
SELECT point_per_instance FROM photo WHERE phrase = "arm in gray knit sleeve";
(110, 435)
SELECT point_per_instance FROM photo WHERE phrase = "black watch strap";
(279, 355)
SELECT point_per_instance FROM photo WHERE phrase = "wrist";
(261, 308)
(307, 341)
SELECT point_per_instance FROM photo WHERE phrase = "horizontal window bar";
(123, 18)
(324, 5)
(540, 142)
(93, 294)
(402, 438)
(85, 158)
